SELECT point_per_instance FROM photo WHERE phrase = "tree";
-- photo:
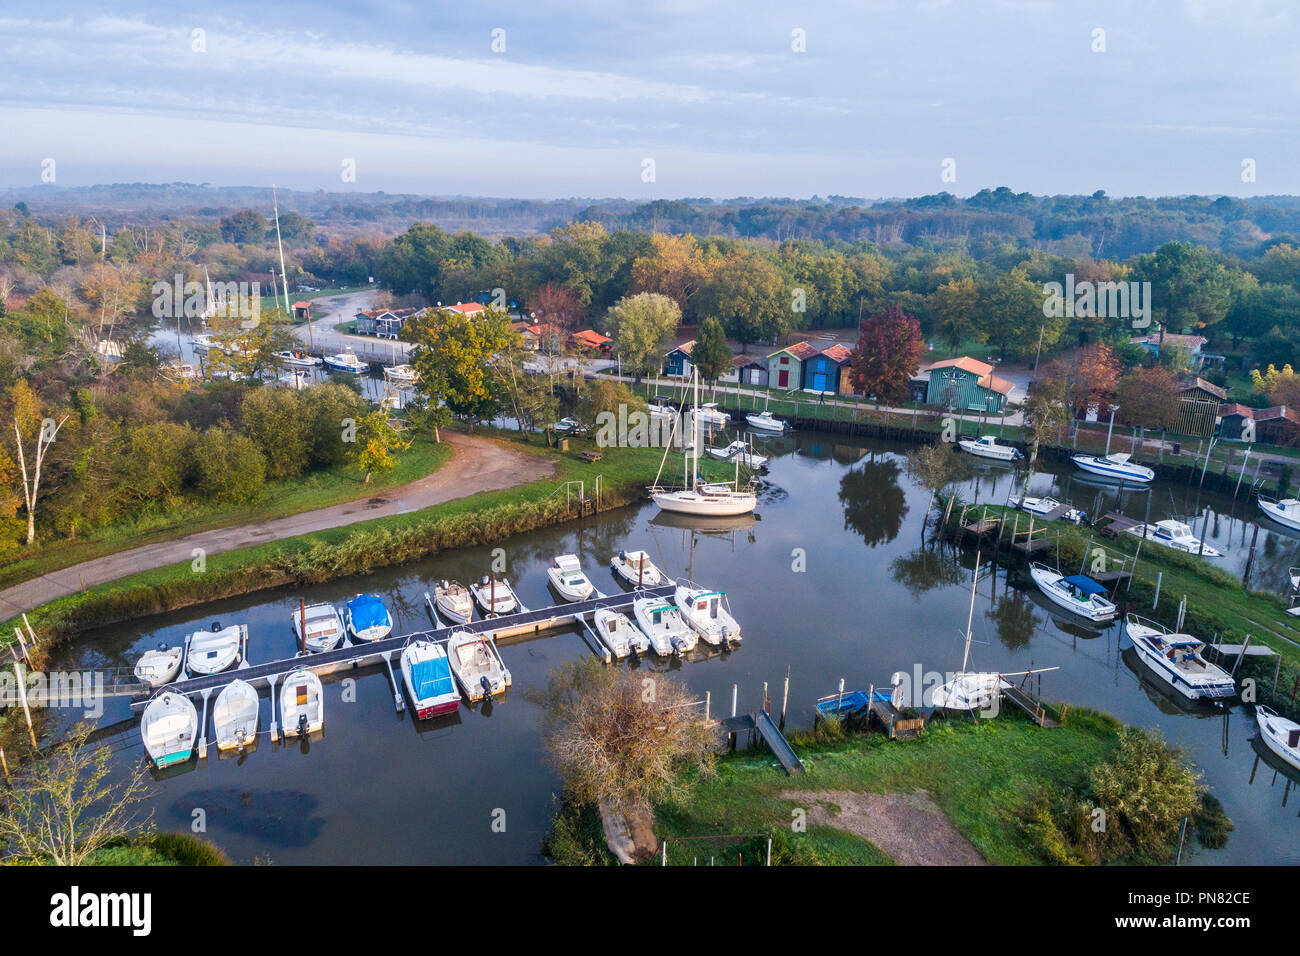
(642, 326)
(1090, 375)
(1145, 792)
(935, 467)
(711, 354)
(376, 440)
(1012, 315)
(888, 353)
(275, 419)
(675, 267)
(1147, 397)
(33, 435)
(246, 225)
(227, 466)
(1189, 288)
(1045, 414)
(874, 504)
(453, 356)
(747, 296)
(955, 305)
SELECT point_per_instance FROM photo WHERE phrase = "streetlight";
(1111, 426)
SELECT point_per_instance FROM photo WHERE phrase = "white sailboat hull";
(696, 503)
(1285, 512)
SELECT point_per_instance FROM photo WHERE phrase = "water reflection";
(1014, 619)
(873, 500)
(924, 570)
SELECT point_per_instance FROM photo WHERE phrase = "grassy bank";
(159, 849)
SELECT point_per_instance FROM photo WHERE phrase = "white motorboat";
(347, 362)
(296, 358)
(635, 567)
(662, 412)
(159, 667)
(1045, 506)
(495, 596)
(302, 704)
(295, 378)
(1177, 659)
(169, 727)
(182, 370)
(477, 665)
(1285, 512)
(1116, 467)
(662, 623)
(1280, 735)
(234, 716)
(318, 627)
(216, 649)
(1078, 594)
(710, 416)
(569, 426)
(1293, 575)
(404, 375)
(368, 618)
(1176, 535)
(203, 342)
(427, 676)
(987, 446)
(453, 601)
(740, 451)
(567, 577)
(766, 421)
(707, 613)
(619, 634)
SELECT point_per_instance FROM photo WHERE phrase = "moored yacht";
(1178, 660)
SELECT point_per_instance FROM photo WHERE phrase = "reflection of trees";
(1014, 619)
(874, 504)
(924, 570)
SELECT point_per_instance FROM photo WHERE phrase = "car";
(569, 426)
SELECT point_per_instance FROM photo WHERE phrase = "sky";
(682, 98)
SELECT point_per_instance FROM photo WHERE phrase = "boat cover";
(1085, 584)
(368, 611)
(431, 678)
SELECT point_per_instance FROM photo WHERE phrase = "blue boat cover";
(431, 678)
(368, 611)
(1085, 584)
(852, 701)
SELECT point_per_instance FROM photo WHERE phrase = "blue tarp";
(852, 701)
(431, 678)
(368, 611)
(1086, 584)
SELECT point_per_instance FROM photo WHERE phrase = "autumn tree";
(1090, 375)
(1147, 397)
(375, 441)
(711, 353)
(954, 305)
(746, 294)
(675, 267)
(888, 352)
(642, 327)
(452, 355)
(34, 433)
(1044, 414)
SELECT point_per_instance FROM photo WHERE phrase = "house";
(1236, 422)
(465, 308)
(384, 323)
(678, 362)
(843, 358)
(747, 370)
(785, 366)
(1278, 425)
(544, 335)
(1192, 344)
(1198, 407)
(591, 341)
(302, 311)
(964, 383)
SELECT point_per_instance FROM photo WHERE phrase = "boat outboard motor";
(302, 725)
(216, 627)
(677, 646)
(486, 685)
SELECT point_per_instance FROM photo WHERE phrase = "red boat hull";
(437, 710)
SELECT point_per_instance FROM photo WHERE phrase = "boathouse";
(964, 383)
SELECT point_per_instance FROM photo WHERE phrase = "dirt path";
(909, 827)
(476, 465)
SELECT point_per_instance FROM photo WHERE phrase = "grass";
(160, 849)
(269, 302)
(277, 499)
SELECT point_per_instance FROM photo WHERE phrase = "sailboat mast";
(284, 279)
(695, 427)
(970, 618)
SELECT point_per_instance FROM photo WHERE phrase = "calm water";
(381, 788)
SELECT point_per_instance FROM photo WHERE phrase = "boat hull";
(1096, 615)
(692, 503)
(1000, 453)
(1132, 473)
(1270, 729)
(1279, 513)
(1168, 674)
(766, 424)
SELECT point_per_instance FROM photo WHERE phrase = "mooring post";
(274, 728)
(708, 696)
(785, 697)
(22, 695)
(203, 725)
(1240, 657)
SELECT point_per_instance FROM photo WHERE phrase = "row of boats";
(1117, 466)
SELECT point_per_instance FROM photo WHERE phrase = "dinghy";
(1285, 512)
(739, 451)
(346, 362)
(1280, 735)
(452, 600)
(368, 618)
(662, 623)
(478, 667)
(428, 680)
(1078, 594)
(710, 416)
(567, 577)
(234, 716)
(159, 667)
(1042, 507)
(987, 447)
(707, 614)
(635, 567)
(318, 627)
(216, 649)
(1176, 535)
(403, 375)
(617, 633)
(766, 421)
(169, 727)
(1178, 660)
(495, 596)
(302, 704)
(1116, 466)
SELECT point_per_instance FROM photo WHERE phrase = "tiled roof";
(1204, 386)
(742, 360)
(965, 363)
(684, 348)
(1190, 342)
(465, 308)
(1275, 413)
(592, 338)
(840, 353)
(1245, 411)
(800, 350)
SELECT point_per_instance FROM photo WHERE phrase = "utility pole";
(1111, 427)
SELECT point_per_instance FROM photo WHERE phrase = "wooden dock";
(1031, 705)
(1112, 524)
(777, 743)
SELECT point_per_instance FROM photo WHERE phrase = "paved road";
(477, 465)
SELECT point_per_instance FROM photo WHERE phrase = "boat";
(183, 370)
(169, 728)
(234, 716)
(766, 421)
(567, 577)
(453, 601)
(302, 704)
(203, 342)
(428, 680)
(1078, 594)
(401, 374)
(1042, 507)
(740, 451)
(710, 415)
(495, 596)
(1293, 575)
(662, 623)
(1116, 467)
(635, 567)
(1178, 660)
(216, 649)
(1285, 512)
(1176, 535)
(714, 499)
(987, 447)
(318, 627)
(707, 614)
(296, 358)
(661, 408)
(969, 690)
(477, 665)
(368, 618)
(159, 667)
(569, 426)
(1280, 735)
(346, 361)
(619, 634)
(295, 378)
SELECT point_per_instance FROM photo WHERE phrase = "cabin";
(1191, 344)
(1236, 422)
(785, 366)
(1198, 407)
(591, 341)
(748, 370)
(384, 323)
(544, 336)
(302, 311)
(964, 383)
(1278, 425)
(678, 362)
(464, 308)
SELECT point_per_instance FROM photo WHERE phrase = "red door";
(783, 379)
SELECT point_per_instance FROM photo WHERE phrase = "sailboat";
(970, 690)
(702, 499)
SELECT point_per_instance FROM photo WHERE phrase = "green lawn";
(269, 302)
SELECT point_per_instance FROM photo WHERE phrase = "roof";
(840, 353)
(743, 361)
(1245, 411)
(1204, 386)
(1085, 584)
(965, 363)
(543, 328)
(1276, 413)
(800, 350)
(1191, 342)
(302, 305)
(465, 308)
(592, 338)
(684, 348)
